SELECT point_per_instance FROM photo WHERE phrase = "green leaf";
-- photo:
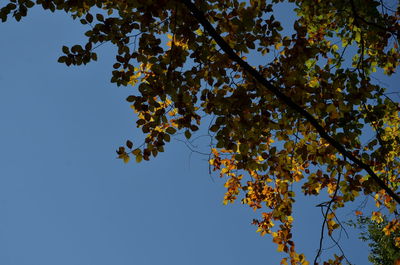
(99, 17)
(214, 128)
(65, 49)
(130, 98)
(89, 17)
(62, 59)
(188, 134)
(93, 56)
(170, 130)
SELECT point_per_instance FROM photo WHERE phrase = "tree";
(384, 250)
(299, 118)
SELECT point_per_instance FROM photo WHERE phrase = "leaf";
(358, 36)
(188, 134)
(137, 151)
(377, 217)
(303, 114)
(99, 17)
(129, 144)
(126, 159)
(310, 63)
(65, 49)
(89, 17)
(278, 45)
(76, 48)
(214, 128)
(139, 158)
(130, 98)
(93, 56)
(62, 59)
(281, 247)
(171, 130)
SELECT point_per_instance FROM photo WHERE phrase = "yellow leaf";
(199, 32)
(358, 36)
(331, 108)
(397, 241)
(281, 247)
(377, 217)
(278, 45)
(313, 82)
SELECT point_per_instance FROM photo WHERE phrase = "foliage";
(299, 116)
(385, 247)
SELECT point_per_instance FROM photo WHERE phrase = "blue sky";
(66, 200)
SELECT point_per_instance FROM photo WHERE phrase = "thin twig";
(326, 217)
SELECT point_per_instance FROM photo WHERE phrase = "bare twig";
(328, 205)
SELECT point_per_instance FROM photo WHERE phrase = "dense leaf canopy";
(283, 107)
(382, 242)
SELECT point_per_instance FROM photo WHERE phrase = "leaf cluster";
(263, 146)
(383, 238)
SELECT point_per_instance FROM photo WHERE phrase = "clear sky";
(66, 200)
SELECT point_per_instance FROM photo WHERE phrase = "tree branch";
(283, 98)
(357, 17)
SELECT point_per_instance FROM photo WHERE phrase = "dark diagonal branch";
(283, 98)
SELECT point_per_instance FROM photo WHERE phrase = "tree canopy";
(383, 247)
(284, 108)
